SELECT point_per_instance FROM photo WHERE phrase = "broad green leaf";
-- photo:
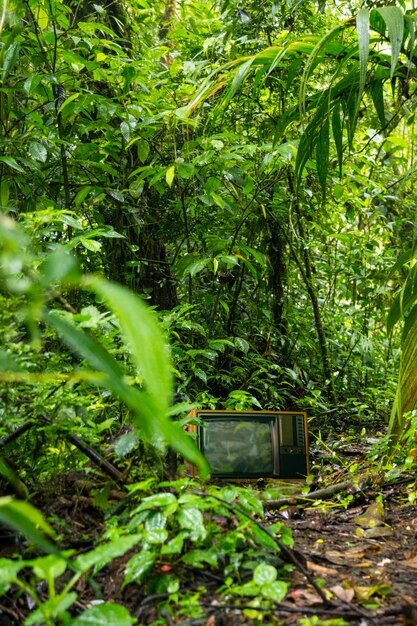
(38, 151)
(4, 193)
(242, 344)
(185, 170)
(10, 57)
(53, 607)
(157, 500)
(174, 546)
(138, 566)
(394, 314)
(250, 503)
(48, 567)
(9, 571)
(104, 615)
(8, 363)
(117, 195)
(41, 17)
(58, 266)
(143, 150)
(394, 20)
(264, 574)
(90, 349)
(263, 539)
(126, 443)
(156, 536)
(149, 412)
(67, 101)
(11, 162)
(196, 267)
(276, 590)
(198, 558)
(25, 519)
(239, 77)
(157, 520)
(169, 175)
(100, 556)
(125, 131)
(192, 520)
(82, 194)
(404, 258)
(75, 61)
(90, 244)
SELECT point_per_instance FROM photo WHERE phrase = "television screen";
(253, 444)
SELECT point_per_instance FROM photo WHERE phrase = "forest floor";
(359, 547)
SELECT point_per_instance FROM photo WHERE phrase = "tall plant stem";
(309, 282)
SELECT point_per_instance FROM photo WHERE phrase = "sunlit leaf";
(104, 615)
(394, 19)
(362, 27)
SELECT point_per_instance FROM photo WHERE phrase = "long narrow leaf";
(322, 155)
(25, 519)
(149, 350)
(89, 348)
(338, 135)
(362, 27)
(377, 95)
(319, 49)
(150, 413)
(394, 20)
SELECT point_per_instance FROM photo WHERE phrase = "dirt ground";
(358, 548)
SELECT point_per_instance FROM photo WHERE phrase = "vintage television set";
(252, 444)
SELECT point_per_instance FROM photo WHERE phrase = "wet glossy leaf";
(104, 615)
(264, 574)
(157, 500)
(275, 590)
(138, 566)
(100, 556)
(200, 557)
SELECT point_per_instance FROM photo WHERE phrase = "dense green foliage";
(245, 169)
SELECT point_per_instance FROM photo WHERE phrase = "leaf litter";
(358, 547)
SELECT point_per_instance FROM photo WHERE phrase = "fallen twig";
(353, 486)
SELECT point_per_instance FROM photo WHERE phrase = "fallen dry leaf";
(342, 593)
(352, 558)
(410, 562)
(374, 532)
(363, 593)
(320, 569)
(373, 516)
(302, 597)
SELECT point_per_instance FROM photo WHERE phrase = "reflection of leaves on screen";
(238, 446)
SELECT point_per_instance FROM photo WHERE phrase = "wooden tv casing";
(191, 470)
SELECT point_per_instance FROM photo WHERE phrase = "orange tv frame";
(252, 444)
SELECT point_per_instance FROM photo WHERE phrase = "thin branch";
(285, 550)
